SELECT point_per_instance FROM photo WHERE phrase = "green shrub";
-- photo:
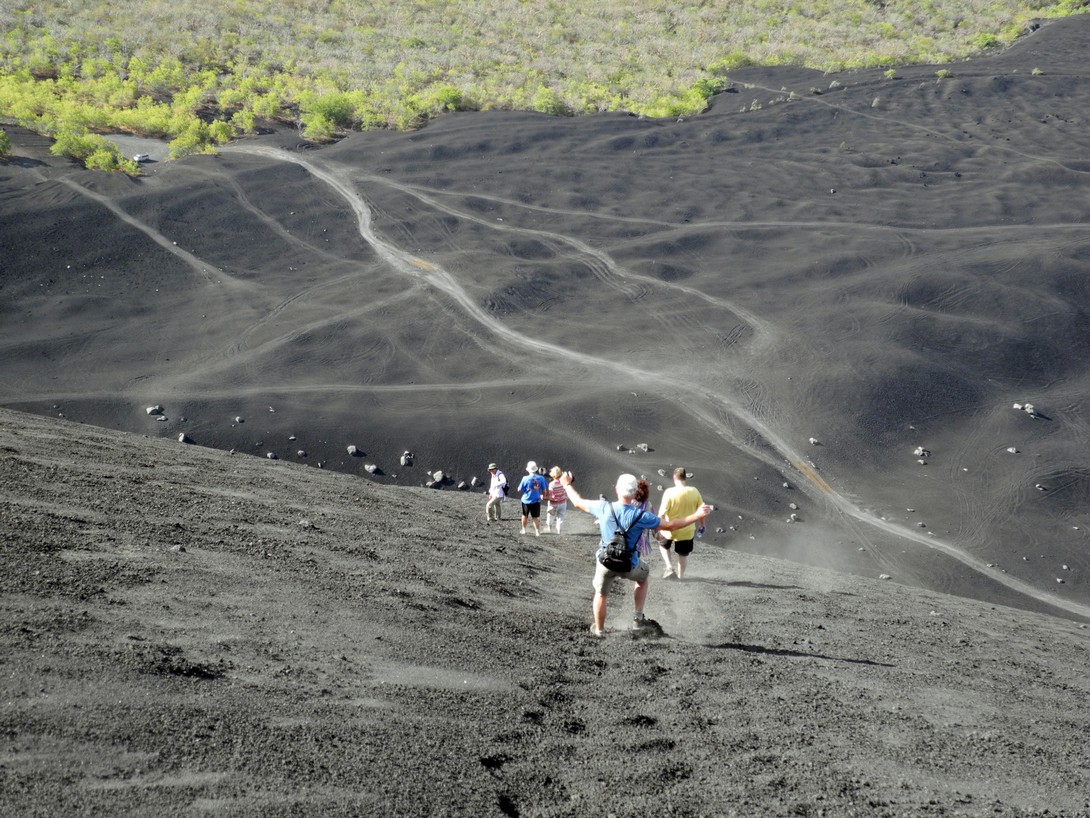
(5, 143)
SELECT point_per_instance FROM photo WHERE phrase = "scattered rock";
(814, 442)
(371, 468)
(1012, 450)
(271, 455)
(238, 419)
(306, 524)
(1017, 406)
(178, 549)
(407, 459)
(922, 462)
(787, 485)
(321, 464)
(1061, 581)
(184, 438)
(301, 453)
(475, 481)
(438, 476)
(921, 452)
(622, 448)
(291, 437)
(884, 576)
(793, 506)
(921, 525)
(353, 451)
(463, 485)
(643, 447)
(1039, 487)
(155, 410)
(162, 418)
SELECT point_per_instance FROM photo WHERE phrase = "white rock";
(184, 438)
(438, 476)
(301, 453)
(884, 576)
(238, 419)
(370, 468)
(922, 462)
(814, 441)
(162, 418)
(271, 455)
(155, 410)
(1017, 406)
(353, 451)
(1012, 450)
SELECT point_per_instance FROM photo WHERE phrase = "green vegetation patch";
(203, 72)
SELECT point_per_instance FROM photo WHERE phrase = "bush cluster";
(206, 71)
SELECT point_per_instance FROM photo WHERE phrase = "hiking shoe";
(522, 531)
(669, 572)
(640, 621)
(596, 632)
(537, 533)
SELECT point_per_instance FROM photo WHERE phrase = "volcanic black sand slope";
(185, 631)
(827, 291)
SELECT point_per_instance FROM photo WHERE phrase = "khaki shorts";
(603, 577)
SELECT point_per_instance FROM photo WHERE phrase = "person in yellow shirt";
(679, 501)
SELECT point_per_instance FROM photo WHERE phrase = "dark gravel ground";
(191, 632)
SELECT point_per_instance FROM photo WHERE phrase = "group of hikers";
(674, 527)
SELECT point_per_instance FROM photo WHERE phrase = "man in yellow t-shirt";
(677, 502)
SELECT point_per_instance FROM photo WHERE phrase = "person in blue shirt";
(626, 515)
(532, 487)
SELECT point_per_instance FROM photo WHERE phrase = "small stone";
(301, 453)
(184, 438)
(922, 462)
(321, 464)
(291, 437)
(178, 549)
(407, 459)
(884, 576)
(1012, 450)
(643, 447)
(814, 441)
(271, 455)
(162, 418)
(238, 419)
(1061, 581)
(787, 485)
(1039, 487)
(622, 448)
(1017, 406)
(155, 410)
(463, 485)
(921, 525)
(438, 476)
(370, 468)
(353, 451)
(1066, 568)
(793, 506)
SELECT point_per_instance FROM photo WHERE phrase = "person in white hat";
(532, 487)
(497, 491)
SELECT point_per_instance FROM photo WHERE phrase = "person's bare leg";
(666, 557)
(639, 595)
(681, 563)
(599, 610)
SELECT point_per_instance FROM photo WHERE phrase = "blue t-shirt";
(532, 487)
(625, 514)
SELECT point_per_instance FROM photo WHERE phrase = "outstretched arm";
(699, 514)
(573, 496)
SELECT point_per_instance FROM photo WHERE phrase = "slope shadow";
(794, 654)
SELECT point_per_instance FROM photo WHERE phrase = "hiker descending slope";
(621, 523)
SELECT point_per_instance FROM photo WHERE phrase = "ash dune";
(886, 265)
(186, 631)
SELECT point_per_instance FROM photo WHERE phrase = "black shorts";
(531, 509)
(683, 547)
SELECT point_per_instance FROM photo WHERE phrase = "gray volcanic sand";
(884, 265)
(875, 264)
(191, 632)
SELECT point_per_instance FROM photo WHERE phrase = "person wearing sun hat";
(557, 497)
(532, 487)
(497, 491)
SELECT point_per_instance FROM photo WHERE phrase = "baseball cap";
(626, 485)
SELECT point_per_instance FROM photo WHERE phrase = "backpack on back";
(617, 554)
